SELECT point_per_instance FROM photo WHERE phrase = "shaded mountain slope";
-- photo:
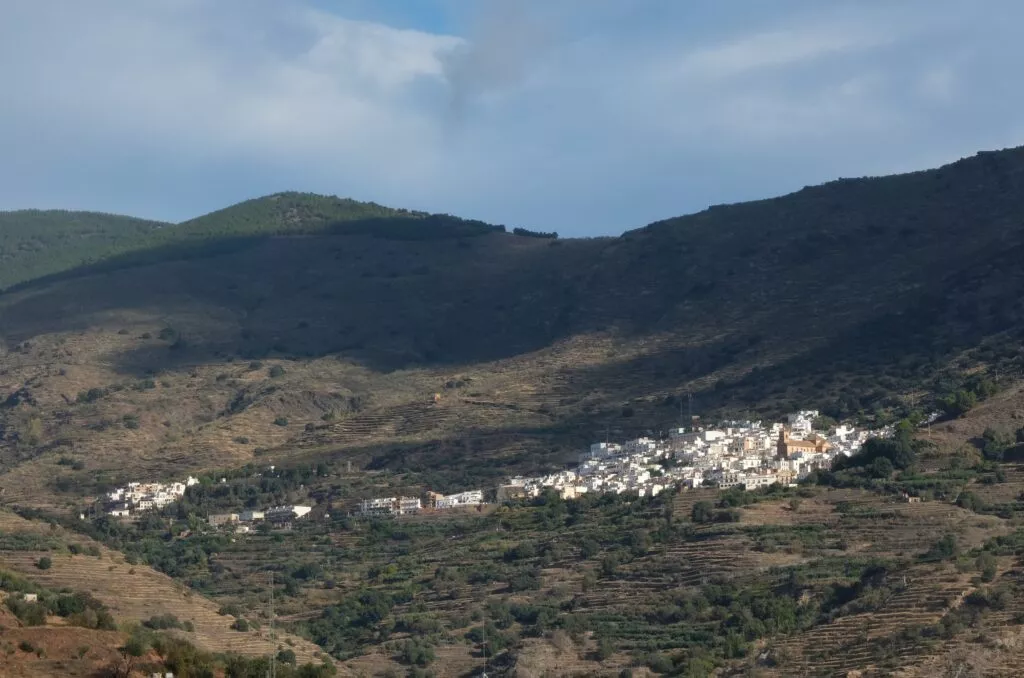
(856, 296)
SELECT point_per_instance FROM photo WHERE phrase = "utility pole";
(483, 646)
(689, 401)
(273, 641)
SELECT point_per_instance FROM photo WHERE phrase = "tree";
(702, 512)
(134, 648)
(987, 566)
(995, 443)
(881, 467)
(959, 403)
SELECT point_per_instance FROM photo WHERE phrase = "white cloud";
(778, 48)
(171, 107)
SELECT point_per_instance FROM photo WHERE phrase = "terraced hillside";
(361, 350)
(136, 592)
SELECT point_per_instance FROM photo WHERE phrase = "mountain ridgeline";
(912, 267)
(862, 297)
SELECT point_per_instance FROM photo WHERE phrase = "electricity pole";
(273, 642)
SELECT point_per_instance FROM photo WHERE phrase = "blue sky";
(582, 116)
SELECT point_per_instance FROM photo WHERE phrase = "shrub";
(44, 563)
(986, 564)
(162, 622)
(240, 624)
(605, 649)
(943, 549)
(702, 512)
(416, 651)
(995, 443)
(281, 421)
(959, 403)
(276, 371)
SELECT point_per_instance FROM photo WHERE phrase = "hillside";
(36, 243)
(364, 350)
(860, 297)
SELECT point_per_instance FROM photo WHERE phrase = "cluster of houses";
(139, 497)
(738, 454)
(402, 506)
(281, 516)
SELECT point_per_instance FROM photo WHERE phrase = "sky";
(586, 117)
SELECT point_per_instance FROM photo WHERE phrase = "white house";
(469, 498)
(379, 506)
(408, 505)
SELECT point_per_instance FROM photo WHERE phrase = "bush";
(240, 624)
(276, 371)
(605, 649)
(943, 549)
(417, 652)
(959, 403)
(702, 512)
(281, 421)
(29, 614)
(995, 443)
(881, 467)
(162, 622)
(986, 564)
(44, 563)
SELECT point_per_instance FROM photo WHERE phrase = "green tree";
(987, 564)
(135, 647)
(995, 443)
(881, 467)
(702, 512)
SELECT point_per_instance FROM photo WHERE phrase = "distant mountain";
(35, 243)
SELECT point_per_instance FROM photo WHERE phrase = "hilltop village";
(138, 497)
(739, 454)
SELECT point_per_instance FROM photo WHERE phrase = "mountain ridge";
(864, 297)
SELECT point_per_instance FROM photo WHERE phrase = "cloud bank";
(585, 118)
